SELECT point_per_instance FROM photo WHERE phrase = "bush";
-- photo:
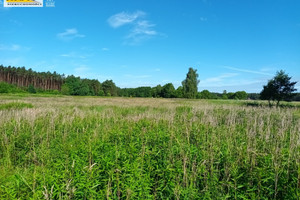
(31, 89)
(5, 87)
(65, 89)
(9, 88)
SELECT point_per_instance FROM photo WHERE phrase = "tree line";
(22, 77)
(19, 79)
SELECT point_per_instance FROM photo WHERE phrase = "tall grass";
(123, 148)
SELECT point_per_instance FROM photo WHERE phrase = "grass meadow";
(133, 148)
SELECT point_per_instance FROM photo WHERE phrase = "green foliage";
(23, 80)
(136, 92)
(9, 88)
(31, 89)
(224, 95)
(79, 148)
(190, 84)
(168, 91)
(109, 88)
(73, 83)
(241, 95)
(205, 94)
(5, 87)
(21, 77)
(279, 88)
(101, 93)
(156, 91)
(82, 87)
(94, 87)
(179, 92)
(254, 96)
(296, 97)
(65, 89)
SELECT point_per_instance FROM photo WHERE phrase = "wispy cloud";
(105, 49)
(123, 18)
(69, 34)
(141, 29)
(12, 47)
(203, 19)
(249, 71)
(76, 55)
(218, 79)
(231, 81)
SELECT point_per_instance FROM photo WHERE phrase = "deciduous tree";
(190, 84)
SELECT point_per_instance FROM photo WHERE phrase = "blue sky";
(235, 45)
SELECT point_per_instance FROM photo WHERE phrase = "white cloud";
(231, 82)
(141, 29)
(123, 18)
(249, 71)
(70, 34)
(218, 79)
(66, 55)
(105, 49)
(12, 47)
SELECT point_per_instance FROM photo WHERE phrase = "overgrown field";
(130, 148)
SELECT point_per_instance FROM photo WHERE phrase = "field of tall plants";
(143, 148)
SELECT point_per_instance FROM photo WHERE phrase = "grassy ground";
(134, 148)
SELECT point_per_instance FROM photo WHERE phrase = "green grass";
(15, 106)
(135, 148)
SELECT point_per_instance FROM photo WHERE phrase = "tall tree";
(279, 88)
(190, 84)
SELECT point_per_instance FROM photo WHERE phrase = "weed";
(127, 148)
